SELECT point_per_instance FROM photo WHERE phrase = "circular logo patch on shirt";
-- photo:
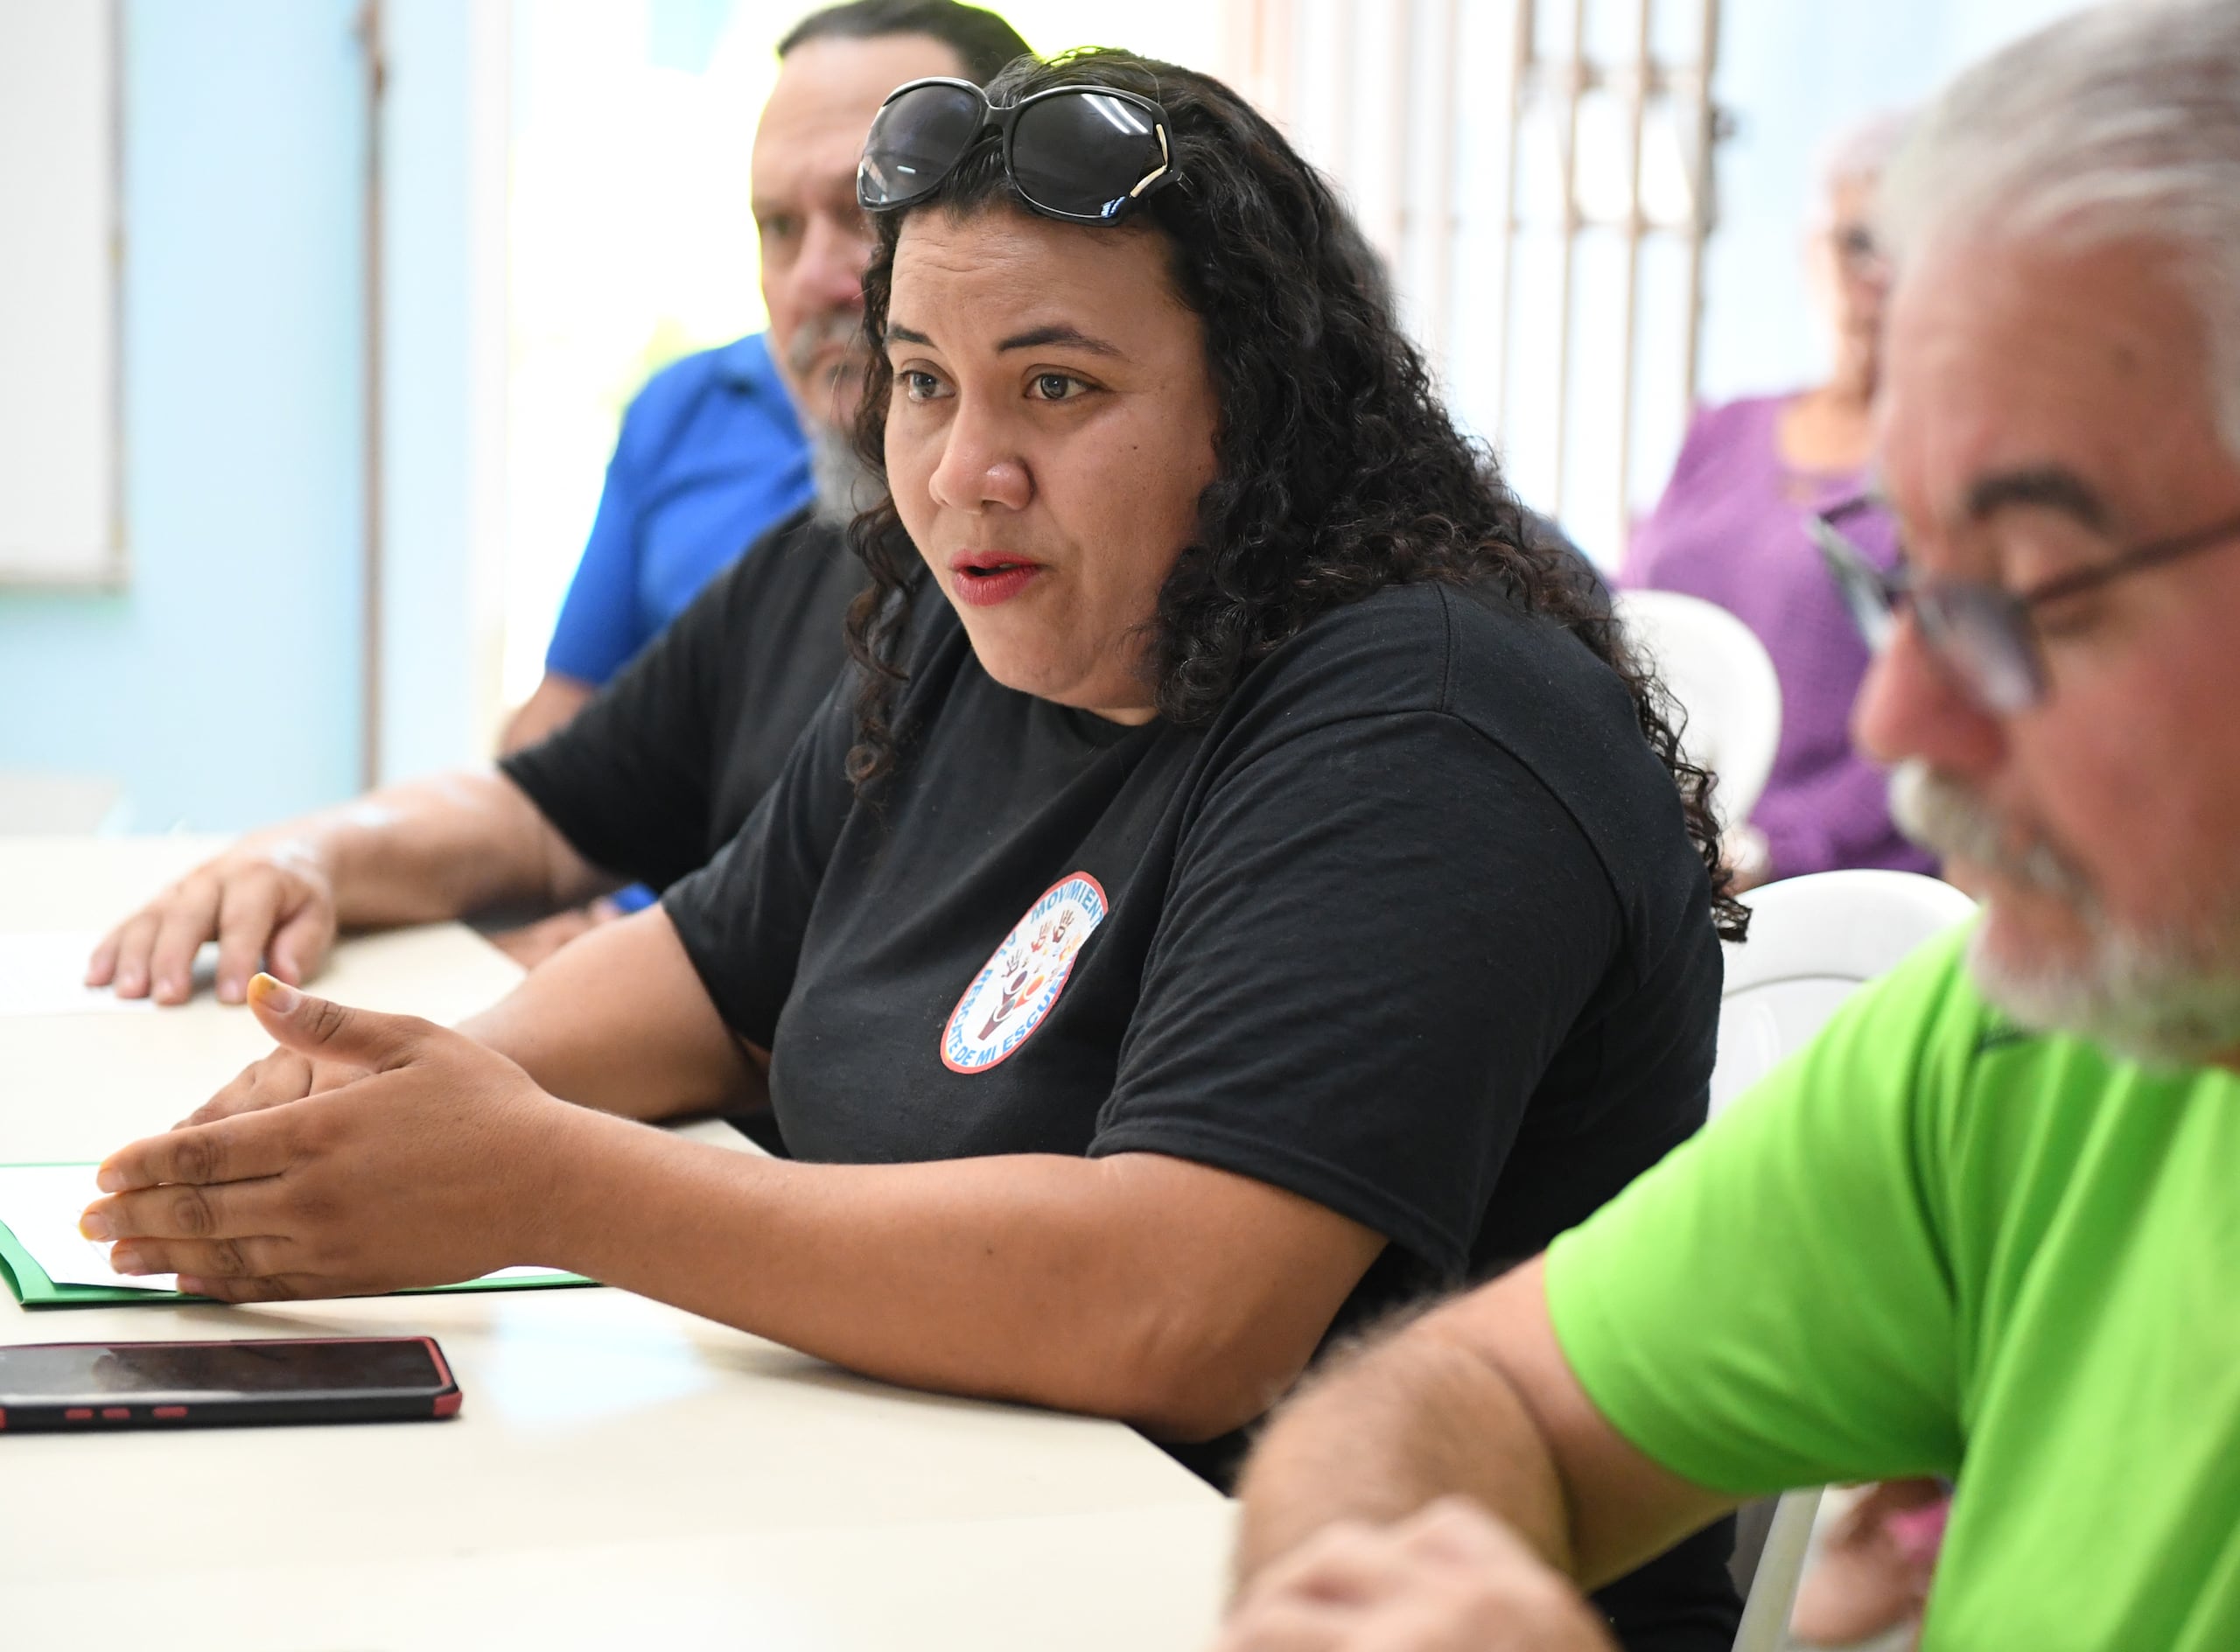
(1019, 985)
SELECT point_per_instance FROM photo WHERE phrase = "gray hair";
(1860, 152)
(2116, 123)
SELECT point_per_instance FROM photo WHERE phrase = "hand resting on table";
(353, 1189)
(265, 900)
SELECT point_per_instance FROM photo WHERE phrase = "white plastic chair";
(1723, 680)
(1814, 941)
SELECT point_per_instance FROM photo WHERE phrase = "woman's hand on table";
(432, 1167)
(268, 900)
(1448, 1578)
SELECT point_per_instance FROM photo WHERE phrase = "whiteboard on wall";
(61, 521)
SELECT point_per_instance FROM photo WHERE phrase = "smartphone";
(88, 1386)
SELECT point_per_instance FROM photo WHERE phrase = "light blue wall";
(429, 570)
(1794, 72)
(222, 687)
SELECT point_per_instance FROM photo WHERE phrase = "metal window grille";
(1538, 172)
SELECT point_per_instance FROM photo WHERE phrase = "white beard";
(2166, 999)
(844, 484)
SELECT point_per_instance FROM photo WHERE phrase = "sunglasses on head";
(1084, 154)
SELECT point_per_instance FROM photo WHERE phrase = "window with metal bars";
(1538, 173)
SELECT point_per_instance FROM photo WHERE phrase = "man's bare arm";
(1475, 1398)
(414, 853)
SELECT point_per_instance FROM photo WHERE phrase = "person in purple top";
(1730, 529)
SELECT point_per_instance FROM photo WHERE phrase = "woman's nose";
(979, 469)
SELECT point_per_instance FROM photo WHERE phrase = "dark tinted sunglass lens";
(915, 140)
(1081, 153)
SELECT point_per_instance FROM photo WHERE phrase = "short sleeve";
(1773, 1305)
(627, 781)
(598, 632)
(1376, 937)
(743, 917)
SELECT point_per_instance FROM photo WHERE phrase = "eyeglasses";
(1983, 634)
(1857, 253)
(1084, 154)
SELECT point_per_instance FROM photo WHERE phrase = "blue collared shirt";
(711, 454)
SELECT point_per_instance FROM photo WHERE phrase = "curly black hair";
(1339, 470)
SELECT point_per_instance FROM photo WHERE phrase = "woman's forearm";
(1172, 1294)
(618, 1020)
(1069, 1283)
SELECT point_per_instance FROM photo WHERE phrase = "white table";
(622, 1474)
(33, 802)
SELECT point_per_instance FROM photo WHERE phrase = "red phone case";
(192, 1407)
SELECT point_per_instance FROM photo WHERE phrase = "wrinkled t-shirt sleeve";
(742, 917)
(1773, 1305)
(1377, 935)
(629, 779)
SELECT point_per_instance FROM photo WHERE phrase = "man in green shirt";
(1988, 1225)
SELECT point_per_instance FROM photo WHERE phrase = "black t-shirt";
(662, 765)
(1412, 929)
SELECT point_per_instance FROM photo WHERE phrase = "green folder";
(34, 1289)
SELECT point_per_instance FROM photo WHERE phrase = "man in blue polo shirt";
(694, 730)
(711, 454)
(722, 445)
(725, 444)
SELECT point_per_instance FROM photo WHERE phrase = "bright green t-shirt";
(1929, 1244)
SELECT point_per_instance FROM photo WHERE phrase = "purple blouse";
(1730, 529)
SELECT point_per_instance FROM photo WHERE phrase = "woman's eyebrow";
(896, 334)
(1034, 338)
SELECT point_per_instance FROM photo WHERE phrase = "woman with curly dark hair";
(1246, 888)
(1339, 470)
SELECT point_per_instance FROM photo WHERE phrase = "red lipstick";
(986, 578)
